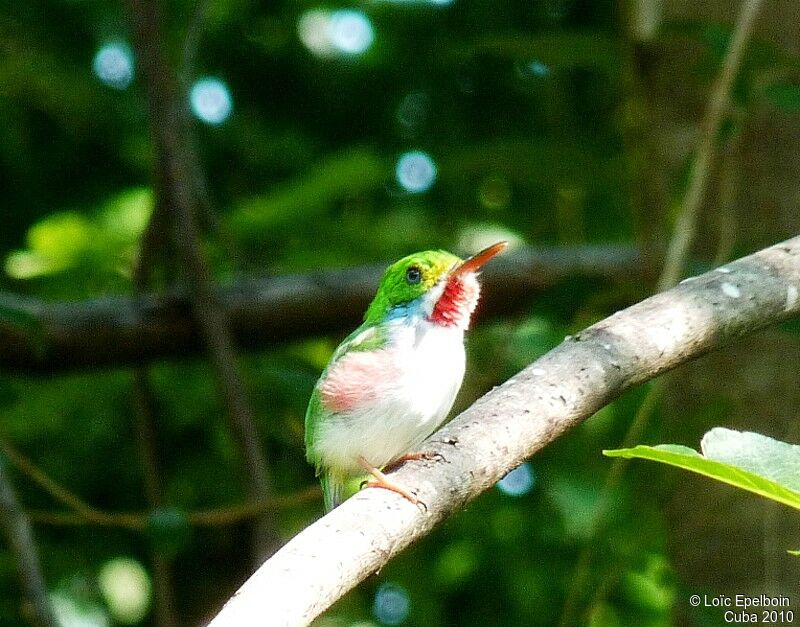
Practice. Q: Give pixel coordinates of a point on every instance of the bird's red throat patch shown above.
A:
(457, 302)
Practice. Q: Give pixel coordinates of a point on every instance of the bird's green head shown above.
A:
(433, 284)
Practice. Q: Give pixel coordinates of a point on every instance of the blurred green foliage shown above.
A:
(525, 112)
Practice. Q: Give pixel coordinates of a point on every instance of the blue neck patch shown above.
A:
(410, 311)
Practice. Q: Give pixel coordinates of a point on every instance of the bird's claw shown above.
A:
(397, 489)
(380, 480)
(414, 457)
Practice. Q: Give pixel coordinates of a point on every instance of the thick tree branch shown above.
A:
(42, 337)
(512, 422)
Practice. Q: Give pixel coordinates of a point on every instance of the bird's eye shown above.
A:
(413, 275)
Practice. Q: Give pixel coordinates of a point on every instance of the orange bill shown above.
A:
(479, 259)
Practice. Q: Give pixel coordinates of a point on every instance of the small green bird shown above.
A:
(392, 381)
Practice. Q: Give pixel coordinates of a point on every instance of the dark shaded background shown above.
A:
(558, 122)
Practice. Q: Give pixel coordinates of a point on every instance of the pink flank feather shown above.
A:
(357, 378)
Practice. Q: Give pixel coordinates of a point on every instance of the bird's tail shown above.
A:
(337, 487)
(332, 490)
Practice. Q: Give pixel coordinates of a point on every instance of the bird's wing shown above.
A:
(350, 367)
(367, 337)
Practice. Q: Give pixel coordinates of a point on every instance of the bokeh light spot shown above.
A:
(211, 101)
(313, 29)
(126, 588)
(519, 481)
(351, 31)
(415, 171)
(391, 605)
(537, 68)
(347, 32)
(534, 71)
(113, 65)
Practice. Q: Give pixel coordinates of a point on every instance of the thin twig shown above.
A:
(178, 168)
(674, 264)
(716, 110)
(677, 254)
(235, 514)
(580, 575)
(645, 186)
(17, 529)
(220, 517)
(64, 496)
(208, 217)
(146, 411)
(84, 514)
(191, 41)
(729, 183)
(154, 247)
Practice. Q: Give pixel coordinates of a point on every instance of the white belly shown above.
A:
(430, 361)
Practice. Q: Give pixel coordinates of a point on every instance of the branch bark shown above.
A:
(511, 423)
(40, 337)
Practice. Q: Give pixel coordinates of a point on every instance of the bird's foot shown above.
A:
(412, 457)
(380, 480)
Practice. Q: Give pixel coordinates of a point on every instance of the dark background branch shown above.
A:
(44, 337)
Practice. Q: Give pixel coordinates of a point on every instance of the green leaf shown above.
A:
(67, 239)
(756, 453)
(125, 216)
(60, 238)
(749, 461)
(54, 244)
(795, 553)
